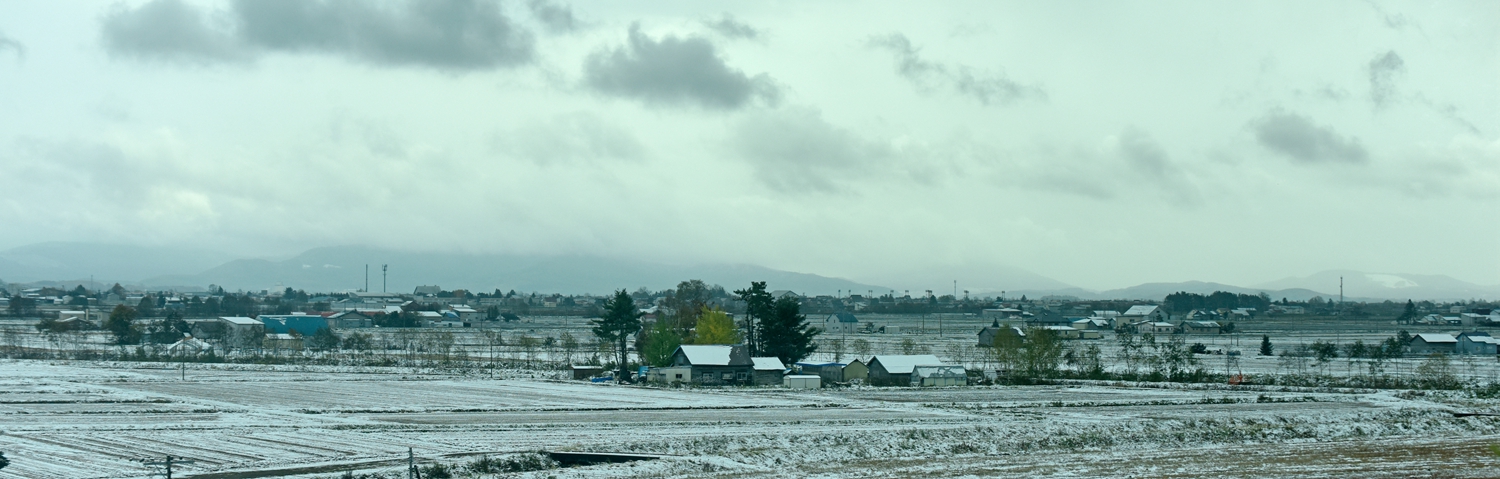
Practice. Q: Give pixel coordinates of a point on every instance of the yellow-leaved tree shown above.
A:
(715, 327)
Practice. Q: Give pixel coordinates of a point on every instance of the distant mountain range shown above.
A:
(1389, 286)
(106, 263)
(342, 268)
(1358, 286)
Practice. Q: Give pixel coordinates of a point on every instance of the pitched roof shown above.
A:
(904, 363)
(768, 364)
(1140, 310)
(1436, 338)
(715, 355)
(844, 317)
(240, 320)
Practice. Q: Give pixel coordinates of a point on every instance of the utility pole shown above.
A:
(168, 463)
(411, 465)
(367, 277)
(382, 277)
(1341, 292)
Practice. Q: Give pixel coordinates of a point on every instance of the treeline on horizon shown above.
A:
(218, 302)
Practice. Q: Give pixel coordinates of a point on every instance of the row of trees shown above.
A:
(1182, 302)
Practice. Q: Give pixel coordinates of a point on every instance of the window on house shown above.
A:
(679, 375)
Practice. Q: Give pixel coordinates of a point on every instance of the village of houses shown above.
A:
(945, 347)
(888, 392)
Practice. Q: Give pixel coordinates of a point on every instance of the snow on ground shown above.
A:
(64, 419)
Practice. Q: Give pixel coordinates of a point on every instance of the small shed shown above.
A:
(831, 372)
(856, 370)
(189, 346)
(939, 376)
(1200, 327)
(276, 341)
(1067, 332)
(768, 371)
(586, 371)
(1091, 324)
(802, 381)
(670, 375)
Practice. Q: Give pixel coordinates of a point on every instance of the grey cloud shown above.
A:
(730, 27)
(446, 34)
(11, 43)
(1384, 70)
(988, 89)
(573, 138)
(796, 151)
(169, 30)
(674, 71)
(1300, 139)
(909, 62)
(1394, 21)
(556, 18)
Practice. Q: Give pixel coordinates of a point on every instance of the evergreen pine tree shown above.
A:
(619, 320)
(1409, 315)
(785, 333)
(1265, 345)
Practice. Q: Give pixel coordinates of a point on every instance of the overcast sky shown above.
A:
(1100, 144)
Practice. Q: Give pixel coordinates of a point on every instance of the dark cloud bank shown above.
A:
(443, 34)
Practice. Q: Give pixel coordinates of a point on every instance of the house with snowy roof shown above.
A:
(768, 371)
(1476, 342)
(189, 345)
(842, 322)
(1428, 343)
(1154, 327)
(1144, 312)
(716, 364)
(988, 334)
(834, 372)
(896, 370)
(350, 320)
(1200, 327)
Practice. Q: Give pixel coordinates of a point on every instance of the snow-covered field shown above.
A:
(75, 419)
